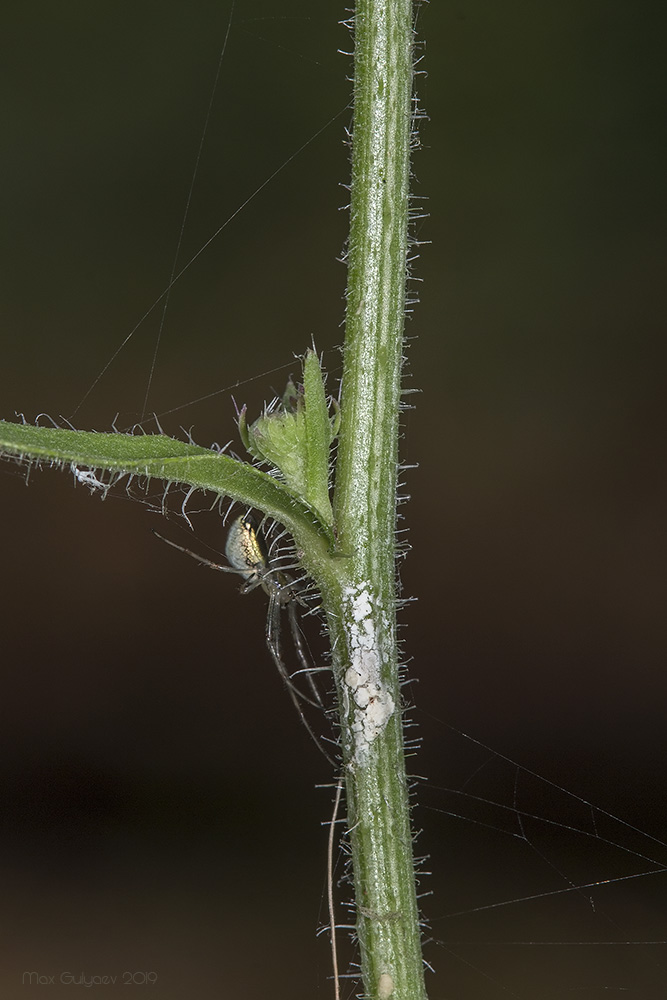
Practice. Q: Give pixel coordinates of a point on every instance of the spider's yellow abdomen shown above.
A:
(246, 550)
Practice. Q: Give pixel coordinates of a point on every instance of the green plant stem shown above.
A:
(361, 600)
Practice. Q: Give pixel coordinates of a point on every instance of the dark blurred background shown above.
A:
(159, 813)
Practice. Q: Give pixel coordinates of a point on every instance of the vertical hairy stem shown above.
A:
(361, 595)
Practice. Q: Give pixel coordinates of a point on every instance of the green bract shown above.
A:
(295, 435)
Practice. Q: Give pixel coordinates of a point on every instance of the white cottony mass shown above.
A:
(373, 702)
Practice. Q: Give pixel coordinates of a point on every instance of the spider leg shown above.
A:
(274, 647)
(300, 647)
(273, 644)
(200, 559)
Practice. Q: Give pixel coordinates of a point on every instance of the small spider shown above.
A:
(249, 557)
